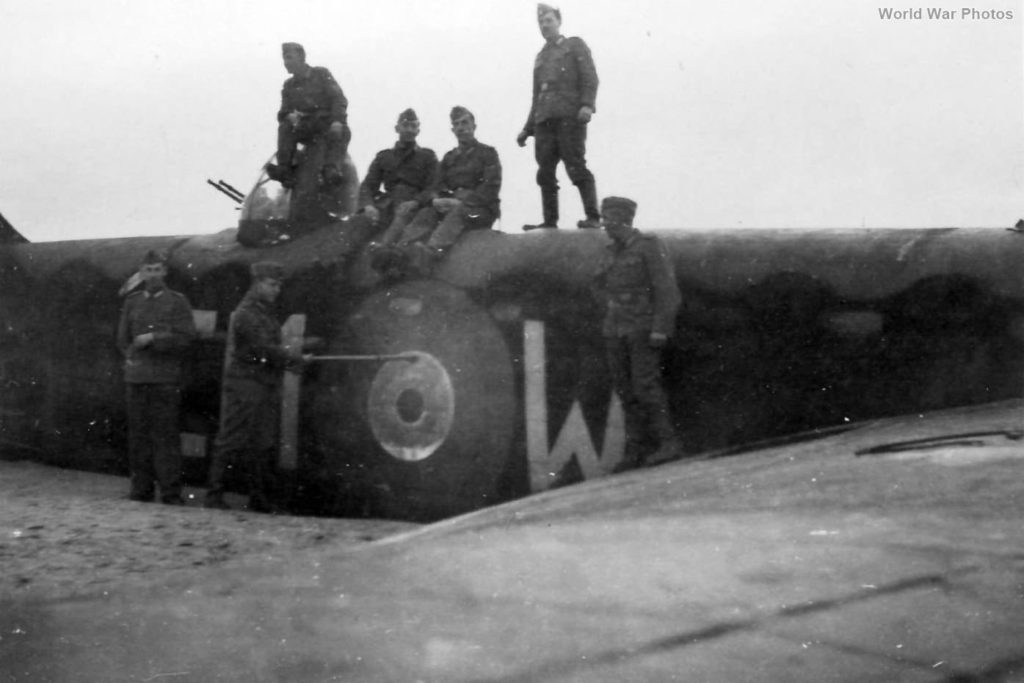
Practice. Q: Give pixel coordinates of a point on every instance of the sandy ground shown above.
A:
(68, 534)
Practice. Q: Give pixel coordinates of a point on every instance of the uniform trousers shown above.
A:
(397, 224)
(563, 140)
(635, 369)
(310, 202)
(334, 147)
(442, 230)
(247, 436)
(154, 440)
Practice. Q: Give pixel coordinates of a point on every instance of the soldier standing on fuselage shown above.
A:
(314, 112)
(154, 332)
(564, 96)
(642, 299)
(248, 425)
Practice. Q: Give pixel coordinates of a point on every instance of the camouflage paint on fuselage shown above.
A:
(780, 331)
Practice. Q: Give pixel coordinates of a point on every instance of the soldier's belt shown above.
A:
(448, 194)
(403, 183)
(629, 297)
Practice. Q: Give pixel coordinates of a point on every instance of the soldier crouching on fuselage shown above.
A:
(255, 365)
(642, 299)
(154, 333)
(314, 112)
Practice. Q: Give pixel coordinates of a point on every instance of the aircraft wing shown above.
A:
(891, 551)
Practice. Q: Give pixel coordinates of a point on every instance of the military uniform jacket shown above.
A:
(317, 95)
(564, 79)
(406, 172)
(168, 315)
(256, 336)
(475, 169)
(640, 288)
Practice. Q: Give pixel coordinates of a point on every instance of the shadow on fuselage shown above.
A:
(778, 333)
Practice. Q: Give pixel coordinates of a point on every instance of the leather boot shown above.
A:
(588, 193)
(282, 174)
(215, 501)
(423, 259)
(258, 502)
(549, 205)
(670, 449)
(631, 459)
(669, 446)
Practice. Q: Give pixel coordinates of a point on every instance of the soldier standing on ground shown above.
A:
(154, 332)
(564, 95)
(247, 437)
(642, 298)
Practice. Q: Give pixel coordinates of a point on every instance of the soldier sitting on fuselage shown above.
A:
(464, 197)
(399, 179)
(396, 186)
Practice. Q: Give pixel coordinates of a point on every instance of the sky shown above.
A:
(744, 113)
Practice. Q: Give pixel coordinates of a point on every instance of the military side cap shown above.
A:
(543, 9)
(458, 112)
(292, 47)
(408, 115)
(622, 206)
(155, 256)
(263, 270)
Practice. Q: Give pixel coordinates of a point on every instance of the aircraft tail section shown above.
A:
(8, 235)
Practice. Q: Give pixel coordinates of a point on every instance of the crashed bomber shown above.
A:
(779, 332)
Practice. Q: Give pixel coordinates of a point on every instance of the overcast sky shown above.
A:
(745, 113)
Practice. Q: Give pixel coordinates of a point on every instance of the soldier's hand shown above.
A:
(143, 340)
(585, 114)
(294, 117)
(297, 365)
(405, 208)
(337, 129)
(658, 340)
(522, 138)
(445, 204)
(372, 212)
(312, 344)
